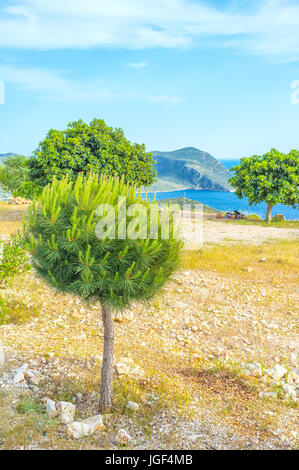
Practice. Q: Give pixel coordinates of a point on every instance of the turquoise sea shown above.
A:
(228, 201)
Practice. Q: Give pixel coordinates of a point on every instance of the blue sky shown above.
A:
(215, 75)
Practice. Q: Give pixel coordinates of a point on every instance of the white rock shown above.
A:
(123, 437)
(253, 366)
(277, 372)
(2, 355)
(295, 375)
(290, 391)
(18, 376)
(96, 422)
(66, 412)
(268, 394)
(126, 366)
(77, 429)
(131, 405)
(51, 408)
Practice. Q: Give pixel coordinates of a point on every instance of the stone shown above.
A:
(295, 375)
(96, 422)
(131, 405)
(126, 366)
(19, 376)
(66, 412)
(18, 201)
(77, 429)
(51, 408)
(277, 372)
(2, 355)
(290, 391)
(123, 317)
(268, 394)
(253, 366)
(35, 380)
(123, 437)
(32, 376)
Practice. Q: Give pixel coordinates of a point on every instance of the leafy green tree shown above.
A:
(90, 147)
(126, 262)
(272, 178)
(14, 174)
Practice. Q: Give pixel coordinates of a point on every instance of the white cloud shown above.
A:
(171, 100)
(52, 85)
(268, 27)
(138, 65)
(56, 86)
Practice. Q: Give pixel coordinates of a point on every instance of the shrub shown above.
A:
(254, 217)
(13, 262)
(278, 218)
(14, 174)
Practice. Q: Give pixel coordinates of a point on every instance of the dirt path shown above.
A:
(216, 232)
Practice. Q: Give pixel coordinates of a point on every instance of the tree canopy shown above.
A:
(90, 147)
(272, 178)
(14, 173)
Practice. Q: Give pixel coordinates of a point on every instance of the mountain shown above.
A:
(189, 168)
(5, 155)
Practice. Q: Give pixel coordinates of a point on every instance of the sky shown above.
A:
(219, 75)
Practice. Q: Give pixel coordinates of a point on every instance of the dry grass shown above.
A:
(280, 258)
(11, 218)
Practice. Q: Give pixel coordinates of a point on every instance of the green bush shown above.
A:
(13, 258)
(254, 217)
(278, 218)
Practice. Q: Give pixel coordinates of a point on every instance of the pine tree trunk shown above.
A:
(269, 212)
(107, 365)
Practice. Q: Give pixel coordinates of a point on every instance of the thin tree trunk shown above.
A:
(269, 212)
(107, 365)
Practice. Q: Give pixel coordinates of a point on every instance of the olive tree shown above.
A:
(96, 147)
(272, 178)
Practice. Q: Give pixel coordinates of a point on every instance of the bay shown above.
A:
(226, 201)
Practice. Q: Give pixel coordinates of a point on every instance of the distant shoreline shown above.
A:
(189, 189)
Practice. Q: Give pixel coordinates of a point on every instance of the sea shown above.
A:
(224, 201)
(227, 201)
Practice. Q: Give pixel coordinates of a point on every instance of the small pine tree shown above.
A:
(69, 255)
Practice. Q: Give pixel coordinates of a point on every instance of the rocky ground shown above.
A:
(210, 364)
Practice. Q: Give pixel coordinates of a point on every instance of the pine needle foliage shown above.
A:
(67, 253)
